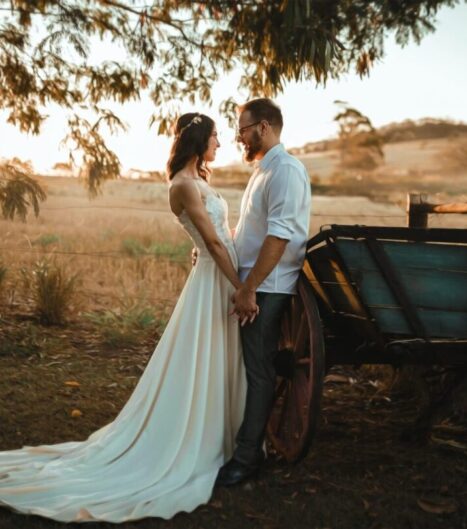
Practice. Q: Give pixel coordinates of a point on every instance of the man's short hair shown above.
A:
(264, 108)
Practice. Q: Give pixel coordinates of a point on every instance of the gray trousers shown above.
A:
(259, 341)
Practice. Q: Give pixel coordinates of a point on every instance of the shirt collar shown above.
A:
(270, 155)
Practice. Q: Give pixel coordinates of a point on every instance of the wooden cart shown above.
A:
(377, 295)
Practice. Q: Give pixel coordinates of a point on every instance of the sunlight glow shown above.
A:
(429, 80)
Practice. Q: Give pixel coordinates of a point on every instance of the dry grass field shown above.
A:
(129, 260)
(128, 256)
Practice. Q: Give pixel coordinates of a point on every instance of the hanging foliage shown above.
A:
(177, 50)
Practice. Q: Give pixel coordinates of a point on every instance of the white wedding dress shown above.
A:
(161, 454)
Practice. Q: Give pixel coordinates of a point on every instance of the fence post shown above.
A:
(417, 216)
(419, 206)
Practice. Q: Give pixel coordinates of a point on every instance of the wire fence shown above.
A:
(159, 255)
(156, 301)
(168, 256)
(152, 210)
(167, 212)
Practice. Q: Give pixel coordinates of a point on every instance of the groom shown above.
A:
(270, 239)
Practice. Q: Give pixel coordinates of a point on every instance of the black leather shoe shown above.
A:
(234, 472)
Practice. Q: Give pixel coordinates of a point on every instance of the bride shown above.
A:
(162, 452)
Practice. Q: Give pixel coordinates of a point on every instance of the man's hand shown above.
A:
(245, 307)
(194, 256)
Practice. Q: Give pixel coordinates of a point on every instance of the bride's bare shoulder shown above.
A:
(183, 193)
(182, 185)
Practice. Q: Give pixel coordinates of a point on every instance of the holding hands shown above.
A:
(245, 307)
(244, 299)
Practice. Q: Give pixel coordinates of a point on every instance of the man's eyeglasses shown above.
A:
(241, 130)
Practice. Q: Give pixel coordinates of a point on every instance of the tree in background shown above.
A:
(360, 144)
(176, 50)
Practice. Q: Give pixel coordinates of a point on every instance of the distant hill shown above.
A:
(423, 129)
(408, 130)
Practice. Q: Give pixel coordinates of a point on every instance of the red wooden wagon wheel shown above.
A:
(300, 369)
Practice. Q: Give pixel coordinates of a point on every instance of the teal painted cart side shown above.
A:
(384, 287)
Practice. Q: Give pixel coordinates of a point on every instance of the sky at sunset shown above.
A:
(429, 80)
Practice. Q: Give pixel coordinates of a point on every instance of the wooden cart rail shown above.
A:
(391, 284)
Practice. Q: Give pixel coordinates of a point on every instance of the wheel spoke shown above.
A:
(301, 394)
(283, 413)
(291, 420)
(300, 337)
(281, 387)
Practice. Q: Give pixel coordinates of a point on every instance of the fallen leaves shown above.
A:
(449, 443)
(439, 506)
(339, 379)
(259, 516)
(72, 384)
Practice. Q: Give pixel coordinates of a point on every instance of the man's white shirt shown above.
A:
(277, 201)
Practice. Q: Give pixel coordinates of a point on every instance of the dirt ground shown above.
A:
(359, 474)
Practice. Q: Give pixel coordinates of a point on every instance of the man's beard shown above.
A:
(253, 147)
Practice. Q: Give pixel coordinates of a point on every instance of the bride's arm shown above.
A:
(189, 197)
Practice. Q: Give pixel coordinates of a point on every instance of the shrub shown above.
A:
(52, 288)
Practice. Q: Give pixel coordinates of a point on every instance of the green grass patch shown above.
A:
(47, 239)
(136, 248)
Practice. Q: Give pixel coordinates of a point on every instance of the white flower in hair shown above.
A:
(196, 120)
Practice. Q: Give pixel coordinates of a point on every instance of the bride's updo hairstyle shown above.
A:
(192, 132)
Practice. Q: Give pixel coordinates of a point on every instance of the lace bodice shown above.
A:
(217, 210)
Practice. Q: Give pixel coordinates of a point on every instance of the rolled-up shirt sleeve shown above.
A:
(284, 194)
